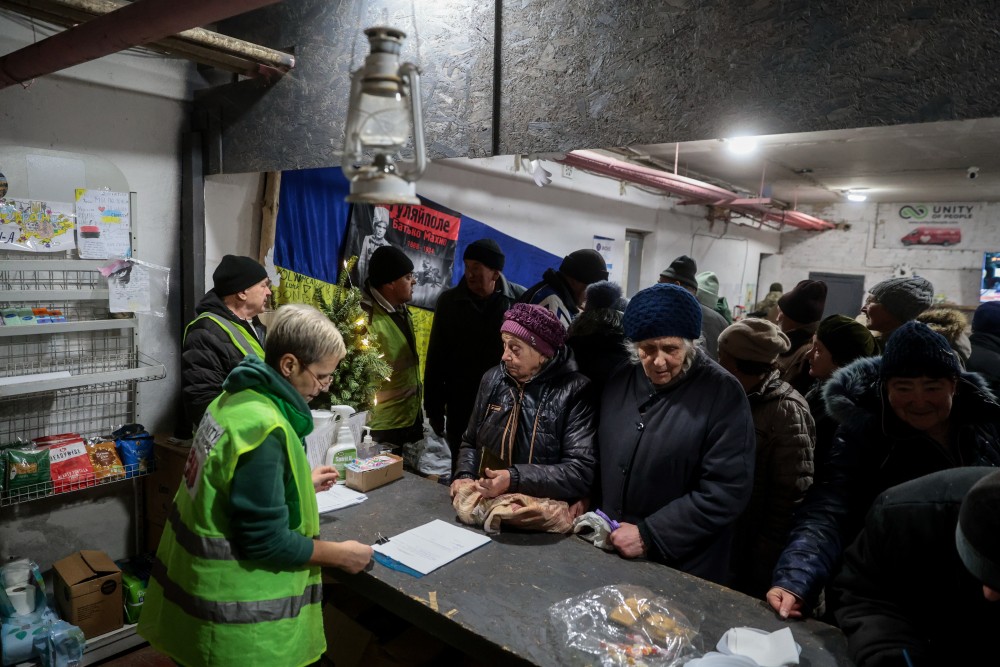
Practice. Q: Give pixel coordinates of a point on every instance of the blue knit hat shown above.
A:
(915, 350)
(662, 310)
(987, 318)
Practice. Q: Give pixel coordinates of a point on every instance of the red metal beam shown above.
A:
(139, 23)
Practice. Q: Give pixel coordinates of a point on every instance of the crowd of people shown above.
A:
(787, 455)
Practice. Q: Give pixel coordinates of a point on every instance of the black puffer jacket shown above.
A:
(985, 358)
(551, 421)
(207, 358)
(872, 451)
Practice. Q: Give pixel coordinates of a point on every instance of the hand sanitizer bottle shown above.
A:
(343, 450)
(367, 448)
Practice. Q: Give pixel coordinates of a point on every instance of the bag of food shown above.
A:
(135, 446)
(104, 458)
(27, 472)
(71, 469)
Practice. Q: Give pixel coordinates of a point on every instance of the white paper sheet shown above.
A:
(337, 497)
(428, 547)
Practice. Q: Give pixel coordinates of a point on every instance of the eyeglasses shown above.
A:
(323, 383)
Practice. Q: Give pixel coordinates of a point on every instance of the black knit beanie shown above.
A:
(587, 266)
(987, 318)
(915, 350)
(388, 263)
(846, 339)
(805, 302)
(978, 533)
(236, 273)
(684, 270)
(487, 252)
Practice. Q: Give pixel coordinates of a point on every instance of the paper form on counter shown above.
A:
(428, 547)
(338, 496)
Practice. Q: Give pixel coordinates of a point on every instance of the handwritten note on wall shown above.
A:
(103, 224)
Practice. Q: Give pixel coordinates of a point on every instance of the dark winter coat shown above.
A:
(551, 420)
(712, 324)
(599, 345)
(678, 463)
(554, 294)
(904, 587)
(207, 357)
(872, 451)
(464, 343)
(783, 472)
(794, 364)
(985, 358)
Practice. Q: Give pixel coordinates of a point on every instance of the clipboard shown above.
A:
(490, 459)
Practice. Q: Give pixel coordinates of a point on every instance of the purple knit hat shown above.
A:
(536, 326)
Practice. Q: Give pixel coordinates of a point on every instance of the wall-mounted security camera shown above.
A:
(972, 172)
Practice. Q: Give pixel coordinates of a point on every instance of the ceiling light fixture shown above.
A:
(742, 145)
(856, 195)
(384, 108)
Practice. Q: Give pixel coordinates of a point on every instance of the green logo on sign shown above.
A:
(915, 212)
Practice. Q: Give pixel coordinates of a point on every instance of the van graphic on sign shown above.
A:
(943, 236)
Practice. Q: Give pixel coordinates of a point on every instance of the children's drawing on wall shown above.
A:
(36, 226)
(103, 224)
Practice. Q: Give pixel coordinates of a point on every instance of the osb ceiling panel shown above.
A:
(589, 73)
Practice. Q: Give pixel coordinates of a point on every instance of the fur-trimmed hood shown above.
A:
(854, 393)
(951, 324)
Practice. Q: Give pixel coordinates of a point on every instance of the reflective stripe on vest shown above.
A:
(250, 611)
(398, 399)
(235, 333)
(209, 548)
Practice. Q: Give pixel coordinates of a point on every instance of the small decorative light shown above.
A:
(360, 322)
(384, 108)
(364, 341)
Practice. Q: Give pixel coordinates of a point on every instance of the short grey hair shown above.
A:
(690, 351)
(305, 332)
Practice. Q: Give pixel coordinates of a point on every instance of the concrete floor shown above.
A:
(143, 656)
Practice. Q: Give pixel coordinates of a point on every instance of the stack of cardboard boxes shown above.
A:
(171, 454)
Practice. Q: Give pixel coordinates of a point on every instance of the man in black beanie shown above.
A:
(683, 271)
(226, 330)
(920, 585)
(799, 313)
(563, 292)
(396, 417)
(465, 340)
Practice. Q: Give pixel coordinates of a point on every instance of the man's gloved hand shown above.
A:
(437, 425)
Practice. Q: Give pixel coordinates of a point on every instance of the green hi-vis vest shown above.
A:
(242, 339)
(205, 606)
(398, 399)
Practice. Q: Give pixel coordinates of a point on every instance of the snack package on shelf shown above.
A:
(104, 458)
(135, 446)
(70, 466)
(626, 625)
(135, 578)
(27, 472)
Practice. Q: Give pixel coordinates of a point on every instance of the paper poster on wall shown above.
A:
(137, 287)
(104, 224)
(933, 226)
(426, 233)
(36, 226)
(613, 252)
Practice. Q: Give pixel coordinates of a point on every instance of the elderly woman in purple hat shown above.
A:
(534, 415)
(676, 441)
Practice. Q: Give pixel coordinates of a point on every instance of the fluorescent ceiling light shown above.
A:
(856, 195)
(742, 145)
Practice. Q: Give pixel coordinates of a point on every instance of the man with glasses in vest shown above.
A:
(225, 331)
(396, 417)
(237, 575)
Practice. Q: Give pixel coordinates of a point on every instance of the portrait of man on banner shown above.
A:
(427, 234)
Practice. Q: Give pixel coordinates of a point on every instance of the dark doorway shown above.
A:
(845, 293)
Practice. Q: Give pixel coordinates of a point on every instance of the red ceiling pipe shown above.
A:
(694, 191)
(139, 23)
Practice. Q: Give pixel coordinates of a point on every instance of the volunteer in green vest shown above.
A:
(225, 331)
(236, 579)
(396, 417)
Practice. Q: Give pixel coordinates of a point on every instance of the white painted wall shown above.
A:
(128, 110)
(561, 217)
(955, 274)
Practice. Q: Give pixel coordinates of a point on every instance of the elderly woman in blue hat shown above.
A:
(676, 441)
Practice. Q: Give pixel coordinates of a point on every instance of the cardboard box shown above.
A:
(161, 485)
(372, 479)
(88, 591)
